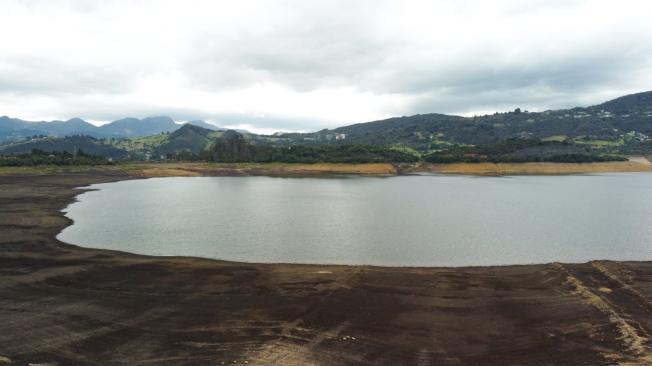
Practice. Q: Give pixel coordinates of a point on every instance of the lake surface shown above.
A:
(395, 221)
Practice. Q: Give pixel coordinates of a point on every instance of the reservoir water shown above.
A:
(396, 221)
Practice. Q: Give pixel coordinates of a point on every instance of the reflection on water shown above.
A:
(401, 221)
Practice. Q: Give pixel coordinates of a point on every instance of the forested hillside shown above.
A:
(626, 120)
(607, 131)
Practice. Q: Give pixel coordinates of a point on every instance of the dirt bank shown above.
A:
(148, 170)
(638, 164)
(66, 305)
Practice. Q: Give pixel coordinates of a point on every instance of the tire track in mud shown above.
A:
(633, 335)
(285, 350)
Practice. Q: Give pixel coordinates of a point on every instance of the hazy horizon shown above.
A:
(266, 130)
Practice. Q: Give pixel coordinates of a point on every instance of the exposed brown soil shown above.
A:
(638, 164)
(187, 169)
(148, 170)
(65, 305)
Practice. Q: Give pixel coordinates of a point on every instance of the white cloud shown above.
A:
(296, 65)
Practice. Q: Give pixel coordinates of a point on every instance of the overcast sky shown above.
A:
(307, 65)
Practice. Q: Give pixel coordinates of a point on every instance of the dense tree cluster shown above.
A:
(39, 157)
(232, 147)
(521, 150)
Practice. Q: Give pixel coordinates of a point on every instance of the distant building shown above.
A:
(581, 115)
(340, 136)
(639, 136)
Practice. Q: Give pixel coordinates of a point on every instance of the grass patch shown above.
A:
(407, 150)
(557, 138)
(140, 143)
(601, 143)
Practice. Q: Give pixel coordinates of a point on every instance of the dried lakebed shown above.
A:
(62, 304)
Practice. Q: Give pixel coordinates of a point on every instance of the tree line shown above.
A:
(521, 151)
(233, 148)
(39, 157)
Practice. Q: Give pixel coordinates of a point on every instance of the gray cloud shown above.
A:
(38, 75)
(570, 83)
(307, 48)
(295, 65)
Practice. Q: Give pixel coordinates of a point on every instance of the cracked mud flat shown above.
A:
(62, 305)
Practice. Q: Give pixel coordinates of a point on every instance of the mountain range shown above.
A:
(619, 126)
(16, 129)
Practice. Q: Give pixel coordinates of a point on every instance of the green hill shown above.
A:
(70, 144)
(610, 121)
(189, 138)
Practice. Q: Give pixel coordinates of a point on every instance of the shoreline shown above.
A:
(504, 169)
(65, 304)
(189, 169)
